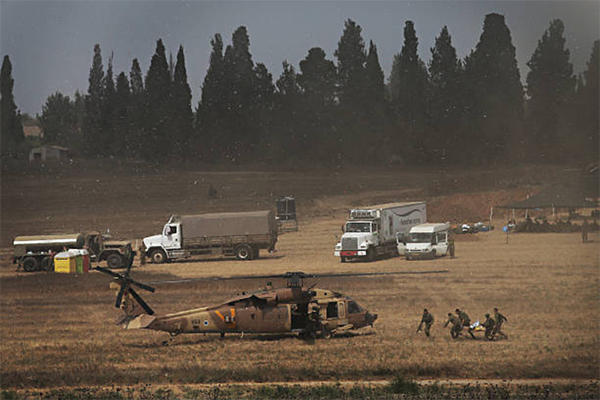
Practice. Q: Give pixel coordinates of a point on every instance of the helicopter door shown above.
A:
(343, 319)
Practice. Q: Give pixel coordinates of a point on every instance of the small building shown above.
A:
(44, 153)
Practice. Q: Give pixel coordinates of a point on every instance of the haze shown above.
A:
(50, 43)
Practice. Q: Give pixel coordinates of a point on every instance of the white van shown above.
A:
(427, 240)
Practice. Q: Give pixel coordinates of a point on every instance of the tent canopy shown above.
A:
(558, 196)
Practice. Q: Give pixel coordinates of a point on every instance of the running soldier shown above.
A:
(456, 326)
(499, 320)
(489, 325)
(427, 319)
(465, 321)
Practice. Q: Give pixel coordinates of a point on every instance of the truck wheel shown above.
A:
(47, 264)
(114, 261)
(407, 257)
(343, 259)
(158, 257)
(30, 264)
(244, 252)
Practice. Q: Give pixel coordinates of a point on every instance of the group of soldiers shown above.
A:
(493, 326)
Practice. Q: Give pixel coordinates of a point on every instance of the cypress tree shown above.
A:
(124, 138)
(137, 99)
(92, 130)
(374, 79)
(242, 131)
(352, 59)
(590, 96)
(494, 93)
(550, 86)
(287, 114)
(212, 107)
(408, 83)
(182, 107)
(445, 108)
(156, 145)
(263, 111)
(11, 129)
(319, 139)
(108, 140)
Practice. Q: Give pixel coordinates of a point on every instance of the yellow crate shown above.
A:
(65, 265)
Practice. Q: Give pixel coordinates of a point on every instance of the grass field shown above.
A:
(57, 331)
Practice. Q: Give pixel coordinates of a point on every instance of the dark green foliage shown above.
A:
(181, 108)
(494, 94)
(212, 106)
(401, 385)
(409, 90)
(11, 129)
(319, 139)
(92, 124)
(157, 140)
(287, 116)
(263, 111)
(124, 138)
(136, 82)
(108, 139)
(588, 100)
(59, 120)
(445, 108)
(550, 86)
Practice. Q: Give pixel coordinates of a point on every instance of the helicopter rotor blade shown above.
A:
(109, 272)
(144, 305)
(302, 275)
(142, 286)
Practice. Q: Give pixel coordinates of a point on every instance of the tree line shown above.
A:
(447, 111)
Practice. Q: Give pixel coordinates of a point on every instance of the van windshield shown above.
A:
(420, 237)
(353, 227)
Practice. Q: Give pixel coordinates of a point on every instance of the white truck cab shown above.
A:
(426, 241)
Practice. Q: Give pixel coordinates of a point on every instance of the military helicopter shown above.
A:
(308, 311)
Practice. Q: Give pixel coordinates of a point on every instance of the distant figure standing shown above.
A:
(427, 319)
(212, 192)
(584, 231)
(451, 248)
(499, 320)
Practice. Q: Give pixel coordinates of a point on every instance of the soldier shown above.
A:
(465, 321)
(427, 319)
(451, 246)
(499, 320)
(489, 325)
(456, 326)
(584, 231)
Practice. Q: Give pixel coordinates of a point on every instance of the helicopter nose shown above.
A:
(371, 318)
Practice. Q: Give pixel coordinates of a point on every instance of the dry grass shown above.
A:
(57, 330)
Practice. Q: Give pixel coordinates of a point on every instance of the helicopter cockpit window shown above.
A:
(354, 308)
(332, 310)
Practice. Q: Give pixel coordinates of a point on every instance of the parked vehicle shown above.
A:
(34, 253)
(373, 231)
(241, 234)
(427, 241)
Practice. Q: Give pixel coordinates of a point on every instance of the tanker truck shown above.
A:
(241, 234)
(372, 231)
(34, 253)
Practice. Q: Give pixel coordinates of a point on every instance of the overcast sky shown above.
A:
(50, 43)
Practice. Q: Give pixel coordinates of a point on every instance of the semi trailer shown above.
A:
(372, 231)
(241, 234)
